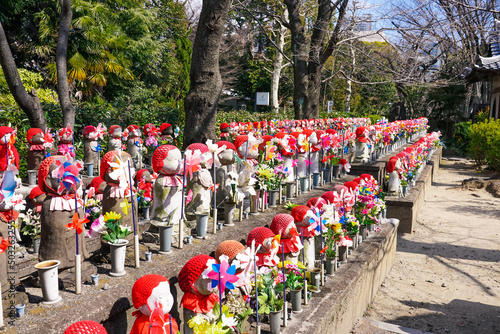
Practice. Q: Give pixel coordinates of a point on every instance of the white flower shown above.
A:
(229, 321)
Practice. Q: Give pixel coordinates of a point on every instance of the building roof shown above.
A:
(486, 67)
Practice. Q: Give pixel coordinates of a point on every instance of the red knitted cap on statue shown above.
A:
(296, 134)
(331, 131)
(319, 133)
(35, 192)
(338, 188)
(43, 170)
(360, 134)
(112, 128)
(231, 248)
(316, 202)
(165, 126)
(228, 144)
(143, 288)
(280, 135)
(308, 132)
(138, 175)
(106, 159)
(240, 140)
(265, 140)
(280, 223)
(366, 177)
(328, 196)
(132, 127)
(358, 179)
(192, 270)
(259, 234)
(5, 130)
(88, 129)
(263, 124)
(32, 132)
(86, 327)
(299, 212)
(145, 128)
(197, 146)
(351, 185)
(159, 155)
(223, 126)
(391, 165)
(96, 182)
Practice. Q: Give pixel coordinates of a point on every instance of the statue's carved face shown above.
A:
(5, 139)
(118, 132)
(66, 138)
(227, 157)
(172, 162)
(313, 139)
(202, 284)
(167, 132)
(161, 295)
(37, 139)
(288, 230)
(266, 245)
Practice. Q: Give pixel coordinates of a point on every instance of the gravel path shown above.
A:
(446, 277)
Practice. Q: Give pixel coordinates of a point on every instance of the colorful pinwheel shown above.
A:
(67, 175)
(223, 275)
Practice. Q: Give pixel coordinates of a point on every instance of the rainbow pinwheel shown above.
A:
(223, 275)
(67, 175)
(317, 224)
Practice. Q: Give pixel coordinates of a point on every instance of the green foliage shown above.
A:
(31, 80)
(461, 138)
(485, 143)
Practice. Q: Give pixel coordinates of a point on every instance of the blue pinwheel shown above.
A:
(223, 275)
(317, 223)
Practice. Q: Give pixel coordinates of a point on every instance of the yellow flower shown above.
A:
(337, 228)
(111, 216)
(125, 206)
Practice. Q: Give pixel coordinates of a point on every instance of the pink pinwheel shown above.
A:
(308, 162)
(294, 163)
(279, 157)
(223, 275)
(192, 162)
(67, 175)
(348, 197)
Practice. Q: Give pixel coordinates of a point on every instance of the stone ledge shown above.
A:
(346, 295)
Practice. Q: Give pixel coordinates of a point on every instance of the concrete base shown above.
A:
(406, 209)
(345, 296)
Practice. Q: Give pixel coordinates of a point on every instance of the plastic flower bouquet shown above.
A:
(109, 226)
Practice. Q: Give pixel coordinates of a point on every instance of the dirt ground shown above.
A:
(446, 276)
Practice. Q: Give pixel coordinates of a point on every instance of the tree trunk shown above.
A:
(299, 47)
(67, 107)
(201, 102)
(308, 68)
(29, 103)
(278, 64)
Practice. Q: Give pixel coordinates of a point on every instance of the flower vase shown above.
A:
(405, 190)
(371, 227)
(165, 239)
(315, 278)
(296, 299)
(384, 213)
(363, 233)
(145, 212)
(289, 189)
(354, 238)
(201, 225)
(273, 196)
(303, 184)
(254, 203)
(118, 252)
(229, 213)
(32, 177)
(49, 280)
(36, 244)
(275, 321)
(336, 171)
(326, 174)
(315, 179)
(343, 253)
(330, 265)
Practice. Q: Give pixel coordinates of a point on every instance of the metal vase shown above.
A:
(229, 213)
(165, 239)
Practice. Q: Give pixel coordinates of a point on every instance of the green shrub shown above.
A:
(461, 138)
(485, 143)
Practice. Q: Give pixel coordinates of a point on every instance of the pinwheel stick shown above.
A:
(285, 305)
(309, 170)
(303, 249)
(297, 173)
(78, 263)
(132, 200)
(170, 322)
(1, 309)
(256, 292)
(181, 222)
(220, 296)
(322, 263)
(215, 196)
(246, 151)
